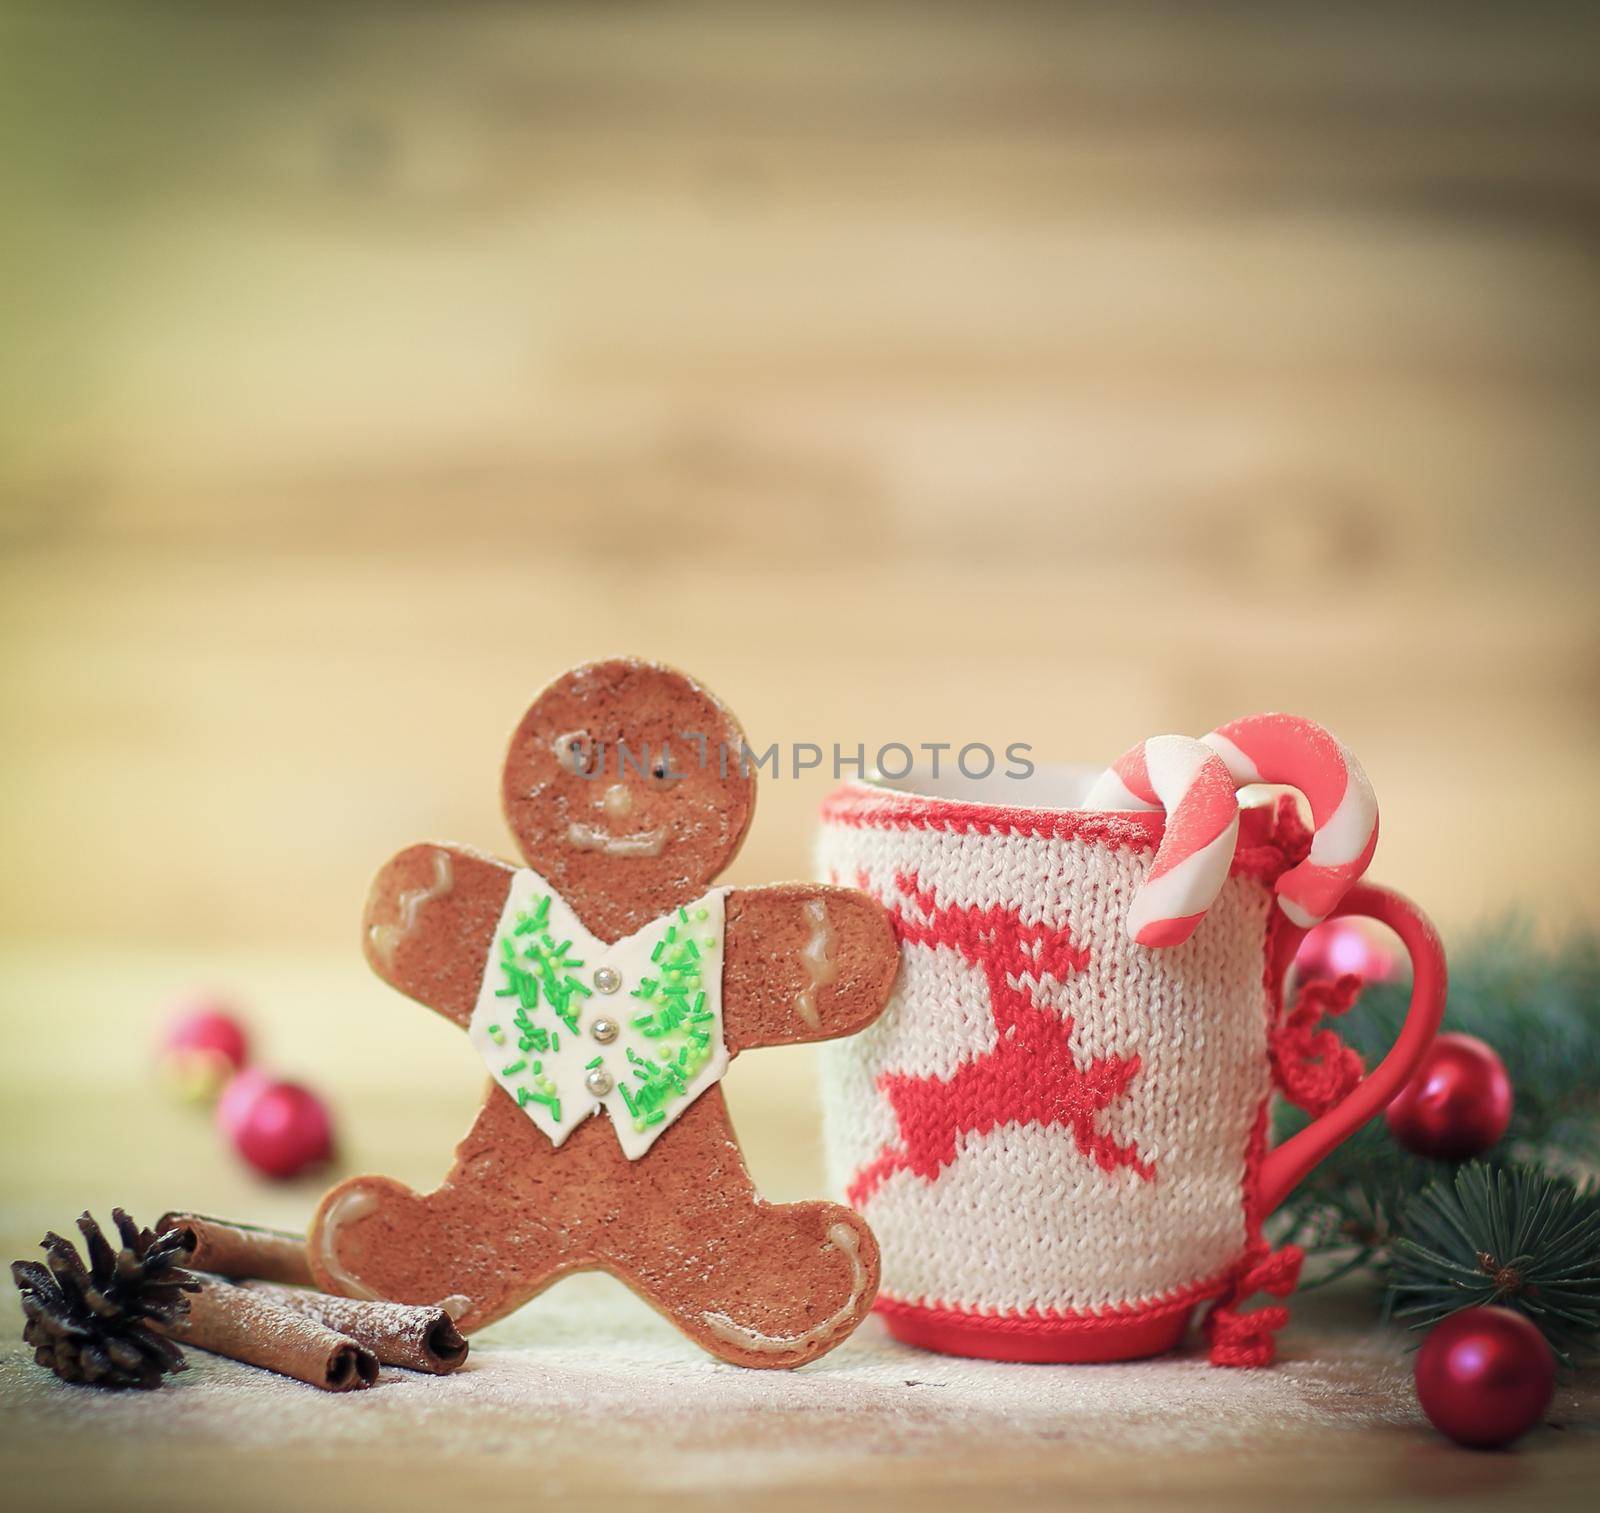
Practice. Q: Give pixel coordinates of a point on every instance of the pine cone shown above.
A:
(93, 1324)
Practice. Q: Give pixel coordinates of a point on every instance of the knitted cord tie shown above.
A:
(1286, 843)
(1246, 1339)
(1313, 1068)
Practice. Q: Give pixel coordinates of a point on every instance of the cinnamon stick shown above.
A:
(422, 1339)
(242, 1250)
(244, 1326)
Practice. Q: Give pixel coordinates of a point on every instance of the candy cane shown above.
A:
(1172, 773)
(1194, 786)
(1283, 748)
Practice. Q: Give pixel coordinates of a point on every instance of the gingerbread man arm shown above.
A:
(430, 923)
(805, 961)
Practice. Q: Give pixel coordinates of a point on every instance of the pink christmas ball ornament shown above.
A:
(203, 1046)
(1340, 947)
(281, 1129)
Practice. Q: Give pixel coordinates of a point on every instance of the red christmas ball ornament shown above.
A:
(1340, 946)
(1485, 1376)
(1457, 1105)
(204, 1045)
(280, 1128)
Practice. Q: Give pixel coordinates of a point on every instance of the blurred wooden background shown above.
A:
(1043, 374)
(1009, 373)
(1014, 373)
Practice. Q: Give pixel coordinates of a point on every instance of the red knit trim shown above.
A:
(1130, 1340)
(868, 807)
(1119, 1333)
(1237, 1338)
(1055, 1320)
(1272, 837)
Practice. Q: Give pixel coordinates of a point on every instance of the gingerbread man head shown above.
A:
(606, 986)
(625, 786)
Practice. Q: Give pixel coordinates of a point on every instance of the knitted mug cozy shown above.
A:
(1058, 1135)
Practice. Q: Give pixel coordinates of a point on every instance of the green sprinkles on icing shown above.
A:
(538, 970)
(673, 1012)
(538, 973)
(525, 1097)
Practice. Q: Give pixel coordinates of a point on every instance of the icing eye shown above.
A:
(576, 752)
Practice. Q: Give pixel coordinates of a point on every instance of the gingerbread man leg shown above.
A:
(481, 1243)
(756, 1283)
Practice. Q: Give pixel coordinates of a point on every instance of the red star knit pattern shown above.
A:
(1031, 1076)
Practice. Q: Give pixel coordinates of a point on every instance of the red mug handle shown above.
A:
(1286, 1164)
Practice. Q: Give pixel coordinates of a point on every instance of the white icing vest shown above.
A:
(568, 1025)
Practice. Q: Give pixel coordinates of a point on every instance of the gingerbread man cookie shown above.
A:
(606, 985)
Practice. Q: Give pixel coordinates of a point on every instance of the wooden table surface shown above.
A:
(585, 1383)
(1053, 374)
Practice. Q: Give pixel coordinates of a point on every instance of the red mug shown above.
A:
(1060, 1137)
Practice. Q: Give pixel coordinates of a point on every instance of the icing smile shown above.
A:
(593, 838)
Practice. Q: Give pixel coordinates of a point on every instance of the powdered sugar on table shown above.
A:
(588, 1365)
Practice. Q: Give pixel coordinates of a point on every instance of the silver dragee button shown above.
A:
(598, 1082)
(607, 979)
(604, 1030)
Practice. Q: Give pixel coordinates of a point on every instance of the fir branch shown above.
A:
(1513, 1236)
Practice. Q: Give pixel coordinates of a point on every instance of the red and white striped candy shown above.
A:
(1299, 753)
(1194, 786)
